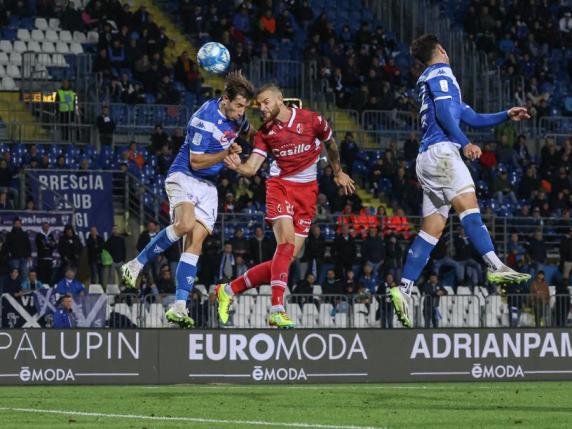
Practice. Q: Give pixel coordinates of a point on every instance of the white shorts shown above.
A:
(443, 175)
(201, 193)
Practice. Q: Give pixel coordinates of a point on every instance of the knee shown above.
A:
(184, 225)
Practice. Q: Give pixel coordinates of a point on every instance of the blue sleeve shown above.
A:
(59, 288)
(441, 88)
(199, 134)
(481, 120)
(448, 123)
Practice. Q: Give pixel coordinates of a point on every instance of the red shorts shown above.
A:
(294, 200)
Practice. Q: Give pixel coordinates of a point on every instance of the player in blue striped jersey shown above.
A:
(442, 173)
(191, 187)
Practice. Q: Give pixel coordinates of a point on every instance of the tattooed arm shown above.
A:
(341, 178)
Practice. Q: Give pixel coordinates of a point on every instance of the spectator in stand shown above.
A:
(239, 243)
(521, 151)
(5, 203)
(159, 138)
(528, 183)
(102, 65)
(503, 188)
(441, 259)
(540, 299)
(152, 268)
(226, 265)
(385, 306)
(63, 316)
(95, 245)
(260, 247)
(373, 250)
(537, 250)
(306, 289)
(115, 245)
(344, 250)
(116, 54)
(327, 185)
(32, 283)
(166, 92)
(240, 267)
(148, 291)
(19, 248)
(69, 248)
(177, 140)
(393, 255)
(13, 283)
(411, 148)
(467, 256)
(267, 24)
(331, 285)
(187, 73)
(45, 246)
(314, 251)
(105, 126)
(165, 159)
(368, 278)
(432, 292)
(566, 257)
(322, 209)
(349, 150)
(165, 283)
(7, 175)
(69, 284)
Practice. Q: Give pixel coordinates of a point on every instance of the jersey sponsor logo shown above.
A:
(298, 149)
(197, 138)
(228, 136)
(444, 85)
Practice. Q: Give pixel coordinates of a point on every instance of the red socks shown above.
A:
(275, 271)
(256, 276)
(279, 272)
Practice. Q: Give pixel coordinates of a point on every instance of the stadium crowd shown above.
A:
(532, 43)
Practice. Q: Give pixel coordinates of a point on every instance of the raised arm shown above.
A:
(487, 120)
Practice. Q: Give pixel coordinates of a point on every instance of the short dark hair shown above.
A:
(423, 47)
(272, 86)
(236, 84)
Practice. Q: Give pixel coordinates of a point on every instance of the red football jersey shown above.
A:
(295, 145)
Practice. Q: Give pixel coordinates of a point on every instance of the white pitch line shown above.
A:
(186, 419)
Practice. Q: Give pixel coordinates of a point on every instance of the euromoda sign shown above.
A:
(163, 356)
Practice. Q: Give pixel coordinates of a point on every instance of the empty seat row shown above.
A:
(8, 84)
(56, 60)
(44, 24)
(45, 47)
(53, 36)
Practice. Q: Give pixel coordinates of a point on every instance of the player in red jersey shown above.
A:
(293, 137)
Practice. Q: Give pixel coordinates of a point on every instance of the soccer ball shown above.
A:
(214, 57)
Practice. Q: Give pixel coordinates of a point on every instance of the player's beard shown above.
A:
(272, 115)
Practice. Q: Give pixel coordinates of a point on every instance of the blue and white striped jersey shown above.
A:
(208, 131)
(437, 83)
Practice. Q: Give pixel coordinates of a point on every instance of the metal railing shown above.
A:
(340, 311)
(481, 82)
(51, 132)
(288, 74)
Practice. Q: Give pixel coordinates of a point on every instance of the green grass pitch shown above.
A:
(455, 405)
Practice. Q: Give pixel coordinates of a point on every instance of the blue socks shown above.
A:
(161, 242)
(479, 237)
(417, 258)
(186, 272)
